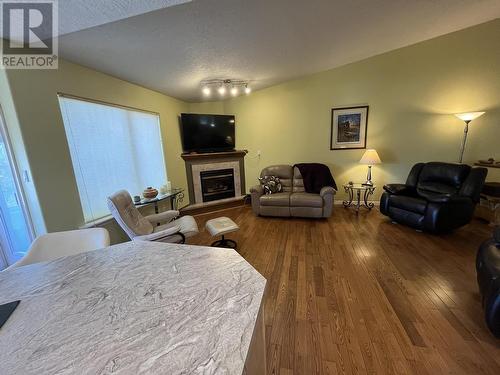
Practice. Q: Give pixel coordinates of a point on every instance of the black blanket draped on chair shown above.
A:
(316, 176)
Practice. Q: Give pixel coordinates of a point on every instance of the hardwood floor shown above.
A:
(362, 295)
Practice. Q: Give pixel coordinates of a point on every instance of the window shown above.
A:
(111, 148)
(16, 232)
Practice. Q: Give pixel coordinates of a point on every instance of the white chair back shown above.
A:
(55, 245)
(127, 215)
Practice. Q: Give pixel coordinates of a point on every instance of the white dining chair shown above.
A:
(55, 245)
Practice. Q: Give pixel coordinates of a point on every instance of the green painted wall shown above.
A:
(412, 93)
(207, 107)
(34, 94)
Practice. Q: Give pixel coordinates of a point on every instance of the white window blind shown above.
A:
(111, 148)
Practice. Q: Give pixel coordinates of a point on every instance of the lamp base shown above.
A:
(368, 181)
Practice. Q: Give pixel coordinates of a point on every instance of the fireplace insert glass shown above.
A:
(217, 184)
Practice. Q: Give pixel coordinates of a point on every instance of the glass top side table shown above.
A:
(362, 192)
(175, 196)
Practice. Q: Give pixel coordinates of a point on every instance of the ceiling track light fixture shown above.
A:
(221, 90)
(222, 86)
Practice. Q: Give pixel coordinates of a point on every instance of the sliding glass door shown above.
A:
(15, 230)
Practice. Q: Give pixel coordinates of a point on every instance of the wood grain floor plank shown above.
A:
(358, 294)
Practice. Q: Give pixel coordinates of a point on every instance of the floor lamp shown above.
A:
(466, 117)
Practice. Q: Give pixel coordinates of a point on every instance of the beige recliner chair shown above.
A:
(144, 228)
(293, 201)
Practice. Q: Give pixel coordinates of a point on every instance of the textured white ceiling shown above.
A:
(75, 15)
(266, 41)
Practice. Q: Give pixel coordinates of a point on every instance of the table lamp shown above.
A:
(370, 157)
(466, 117)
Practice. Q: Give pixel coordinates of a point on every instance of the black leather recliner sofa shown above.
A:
(488, 278)
(437, 197)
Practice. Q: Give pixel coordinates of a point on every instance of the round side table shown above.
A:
(359, 190)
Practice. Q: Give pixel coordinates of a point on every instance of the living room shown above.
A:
(345, 286)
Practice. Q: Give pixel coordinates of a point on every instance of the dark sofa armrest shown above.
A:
(442, 217)
(399, 189)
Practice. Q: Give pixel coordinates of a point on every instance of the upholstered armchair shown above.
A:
(145, 228)
(437, 197)
(488, 278)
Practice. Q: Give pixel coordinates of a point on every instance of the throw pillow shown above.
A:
(271, 184)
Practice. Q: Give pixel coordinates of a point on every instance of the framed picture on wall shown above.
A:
(349, 128)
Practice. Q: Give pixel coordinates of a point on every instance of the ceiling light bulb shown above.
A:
(206, 91)
(222, 90)
(234, 91)
(248, 90)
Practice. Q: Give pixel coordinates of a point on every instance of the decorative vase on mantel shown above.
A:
(150, 193)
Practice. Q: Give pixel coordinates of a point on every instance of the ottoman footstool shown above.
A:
(220, 227)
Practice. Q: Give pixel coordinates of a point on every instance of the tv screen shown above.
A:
(207, 133)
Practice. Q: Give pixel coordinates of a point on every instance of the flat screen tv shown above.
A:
(207, 133)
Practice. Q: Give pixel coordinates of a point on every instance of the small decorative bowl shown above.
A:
(150, 193)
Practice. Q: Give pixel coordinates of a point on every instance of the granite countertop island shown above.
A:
(134, 308)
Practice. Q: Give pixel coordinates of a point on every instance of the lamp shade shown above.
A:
(469, 116)
(370, 157)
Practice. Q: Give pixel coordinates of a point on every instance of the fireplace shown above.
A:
(217, 184)
(215, 177)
